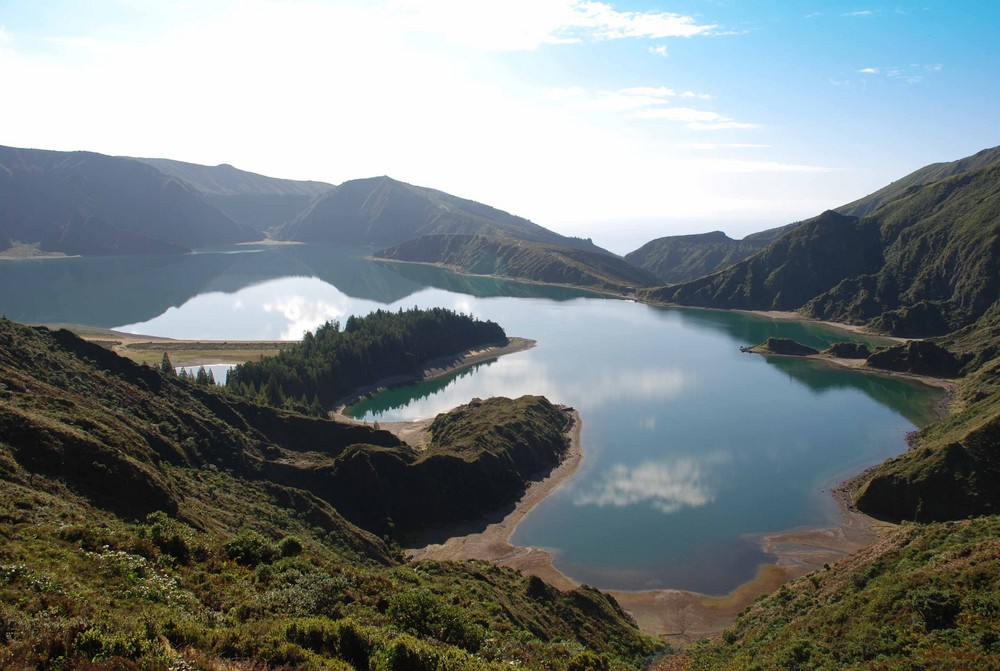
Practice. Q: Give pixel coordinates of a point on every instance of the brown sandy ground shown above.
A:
(149, 349)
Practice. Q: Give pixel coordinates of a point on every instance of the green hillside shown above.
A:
(515, 259)
(925, 175)
(925, 597)
(151, 523)
(808, 260)
(925, 263)
(382, 212)
(941, 248)
(91, 204)
(682, 258)
(257, 201)
(952, 470)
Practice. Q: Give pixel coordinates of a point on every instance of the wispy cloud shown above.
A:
(649, 102)
(528, 24)
(692, 118)
(911, 74)
(713, 146)
(659, 51)
(757, 167)
(860, 13)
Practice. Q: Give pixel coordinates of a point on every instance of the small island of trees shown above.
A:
(328, 364)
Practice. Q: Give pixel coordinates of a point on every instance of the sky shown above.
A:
(620, 121)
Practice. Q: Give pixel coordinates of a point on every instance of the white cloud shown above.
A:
(666, 486)
(659, 51)
(747, 167)
(693, 119)
(860, 13)
(911, 74)
(712, 146)
(516, 25)
(647, 102)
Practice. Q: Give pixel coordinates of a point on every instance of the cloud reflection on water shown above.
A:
(303, 314)
(666, 486)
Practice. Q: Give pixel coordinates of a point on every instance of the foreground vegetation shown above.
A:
(147, 522)
(926, 597)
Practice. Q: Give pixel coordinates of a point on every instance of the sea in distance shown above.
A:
(692, 448)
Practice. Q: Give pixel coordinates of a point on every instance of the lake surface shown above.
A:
(691, 447)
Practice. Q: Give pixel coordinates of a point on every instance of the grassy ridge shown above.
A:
(141, 529)
(381, 212)
(515, 259)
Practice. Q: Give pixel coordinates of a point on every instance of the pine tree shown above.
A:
(165, 365)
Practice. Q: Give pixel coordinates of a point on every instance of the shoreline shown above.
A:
(941, 408)
(520, 280)
(432, 370)
(787, 315)
(473, 540)
(679, 617)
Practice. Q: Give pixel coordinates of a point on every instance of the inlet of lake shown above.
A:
(692, 448)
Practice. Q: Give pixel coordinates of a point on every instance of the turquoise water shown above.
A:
(691, 447)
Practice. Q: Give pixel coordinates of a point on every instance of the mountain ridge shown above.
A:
(383, 212)
(137, 208)
(520, 260)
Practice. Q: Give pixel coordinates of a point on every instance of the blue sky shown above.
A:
(623, 121)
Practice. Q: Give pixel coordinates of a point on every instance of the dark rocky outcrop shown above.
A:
(848, 350)
(785, 346)
(921, 357)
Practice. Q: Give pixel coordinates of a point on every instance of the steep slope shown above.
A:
(382, 212)
(81, 202)
(143, 528)
(925, 597)
(515, 259)
(953, 467)
(941, 244)
(925, 263)
(257, 201)
(677, 259)
(682, 258)
(808, 260)
(925, 175)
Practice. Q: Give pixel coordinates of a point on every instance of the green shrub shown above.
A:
(421, 612)
(290, 546)
(250, 548)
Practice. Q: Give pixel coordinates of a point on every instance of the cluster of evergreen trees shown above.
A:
(202, 377)
(328, 364)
